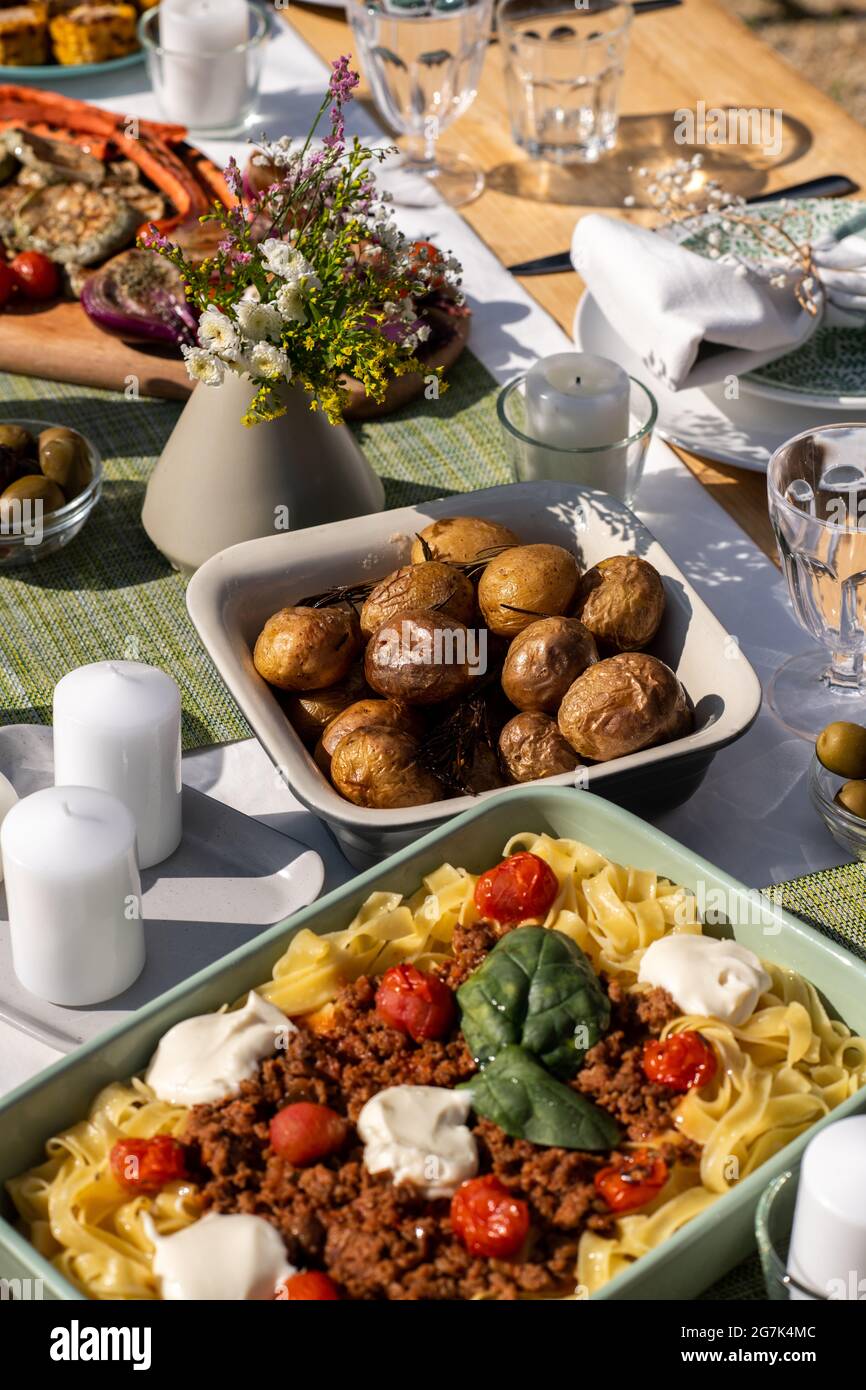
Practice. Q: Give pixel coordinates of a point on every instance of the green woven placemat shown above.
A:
(110, 595)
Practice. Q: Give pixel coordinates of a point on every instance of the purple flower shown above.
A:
(343, 80)
(233, 177)
(154, 239)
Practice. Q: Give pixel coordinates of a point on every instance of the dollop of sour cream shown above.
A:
(205, 1058)
(419, 1134)
(220, 1257)
(716, 979)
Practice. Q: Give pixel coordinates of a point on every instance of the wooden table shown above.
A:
(677, 57)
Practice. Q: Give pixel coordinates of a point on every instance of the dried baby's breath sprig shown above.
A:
(672, 191)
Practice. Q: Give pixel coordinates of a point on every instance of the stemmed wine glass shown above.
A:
(817, 495)
(423, 60)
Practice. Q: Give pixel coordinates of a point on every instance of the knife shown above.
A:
(829, 186)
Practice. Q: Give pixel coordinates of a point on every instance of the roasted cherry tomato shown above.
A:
(146, 1165)
(682, 1061)
(312, 1286)
(35, 275)
(488, 1219)
(305, 1132)
(415, 1002)
(7, 284)
(519, 888)
(634, 1183)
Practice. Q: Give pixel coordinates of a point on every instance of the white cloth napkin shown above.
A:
(694, 320)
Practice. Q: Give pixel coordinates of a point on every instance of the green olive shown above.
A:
(33, 488)
(18, 440)
(64, 458)
(841, 747)
(853, 797)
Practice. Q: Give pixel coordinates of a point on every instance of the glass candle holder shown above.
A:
(773, 1220)
(615, 468)
(211, 83)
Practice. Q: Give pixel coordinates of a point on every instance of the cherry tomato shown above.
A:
(521, 887)
(146, 1165)
(7, 284)
(640, 1178)
(35, 275)
(682, 1061)
(305, 1132)
(488, 1219)
(312, 1286)
(415, 1002)
(424, 256)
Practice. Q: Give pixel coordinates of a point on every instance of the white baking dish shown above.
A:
(233, 594)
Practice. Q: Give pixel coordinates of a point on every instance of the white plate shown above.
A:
(234, 593)
(744, 432)
(231, 878)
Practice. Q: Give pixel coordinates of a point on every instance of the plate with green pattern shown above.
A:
(829, 370)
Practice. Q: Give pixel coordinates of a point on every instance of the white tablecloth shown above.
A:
(752, 814)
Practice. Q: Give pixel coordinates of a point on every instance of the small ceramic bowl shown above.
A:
(847, 830)
(56, 529)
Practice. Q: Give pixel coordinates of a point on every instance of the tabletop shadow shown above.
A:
(647, 143)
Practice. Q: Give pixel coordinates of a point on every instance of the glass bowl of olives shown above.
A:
(50, 481)
(837, 784)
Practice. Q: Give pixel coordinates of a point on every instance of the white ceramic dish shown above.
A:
(743, 432)
(230, 879)
(233, 594)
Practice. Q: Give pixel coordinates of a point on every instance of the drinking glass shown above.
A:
(423, 60)
(817, 495)
(563, 70)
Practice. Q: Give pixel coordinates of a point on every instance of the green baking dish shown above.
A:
(681, 1268)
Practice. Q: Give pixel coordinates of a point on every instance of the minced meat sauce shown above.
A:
(381, 1241)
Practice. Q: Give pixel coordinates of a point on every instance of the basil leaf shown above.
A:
(517, 1094)
(536, 988)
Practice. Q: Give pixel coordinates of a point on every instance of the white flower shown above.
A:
(290, 304)
(203, 366)
(259, 321)
(217, 333)
(271, 362)
(277, 256)
(423, 333)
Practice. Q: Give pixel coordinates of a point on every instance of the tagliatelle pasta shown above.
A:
(784, 1068)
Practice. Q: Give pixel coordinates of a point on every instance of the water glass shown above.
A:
(816, 486)
(563, 71)
(615, 468)
(423, 60)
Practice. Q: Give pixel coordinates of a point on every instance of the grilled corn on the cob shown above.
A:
(94, 33)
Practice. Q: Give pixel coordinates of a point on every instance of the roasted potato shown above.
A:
(627, 702)
(461, 538)
(531, 746)
(377, 767)
(544, 660)
(622, 602)
(307, 648)
(526, 583)
(431, 584)
(364, 714)
(310, 712)
(420, 657)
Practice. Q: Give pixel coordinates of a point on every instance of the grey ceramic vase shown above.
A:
(219, 481)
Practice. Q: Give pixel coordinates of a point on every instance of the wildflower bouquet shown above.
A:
(312, 281)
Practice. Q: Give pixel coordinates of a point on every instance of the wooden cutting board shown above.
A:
(61, 343)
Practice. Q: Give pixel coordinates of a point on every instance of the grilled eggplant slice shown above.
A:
(75, 224)
(54, 161)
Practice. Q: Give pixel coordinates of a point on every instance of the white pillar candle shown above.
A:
(204, 67)
(8, 797)
(827, 1253)
(73, 895)
(117, 727)
(575, 400)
